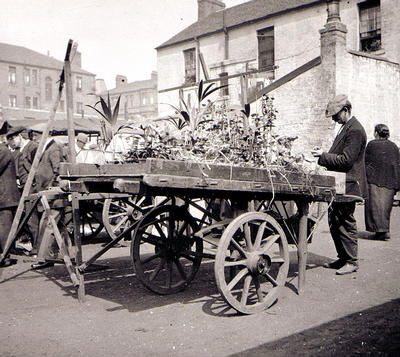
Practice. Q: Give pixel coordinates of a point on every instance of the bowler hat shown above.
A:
(15, 131)
(336, 105)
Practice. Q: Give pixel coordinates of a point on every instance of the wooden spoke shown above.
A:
(156, 271)
(259, 236)
(270, 241)
(150, 258)
(271, 279)
(247, 236)
(245, 291)
(239, 248)
(258, 289)
(237, 278)
(180, 268)
(235, 263)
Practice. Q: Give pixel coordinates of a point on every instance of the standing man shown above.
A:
(346, 155)
(9, 198)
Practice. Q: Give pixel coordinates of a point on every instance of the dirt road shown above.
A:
(357, 314)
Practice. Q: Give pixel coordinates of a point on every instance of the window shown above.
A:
(78, 84)
(35, 103)
(27, 76)
(12, 75)
(224, 82)
(34, 77)
(48, 89)
(79, 108)
(266, 48)
(190, 65)
(12, 100)
(28, 102)
(370, 26)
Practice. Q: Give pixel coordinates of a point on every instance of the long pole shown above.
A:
(20, 209)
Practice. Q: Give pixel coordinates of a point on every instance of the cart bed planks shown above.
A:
(164, 174)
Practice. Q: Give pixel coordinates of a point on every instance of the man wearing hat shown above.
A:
(25, 153)
(345, 155)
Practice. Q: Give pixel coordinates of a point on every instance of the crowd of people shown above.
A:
(372, 175)
(18, 149)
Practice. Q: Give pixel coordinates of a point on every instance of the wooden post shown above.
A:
(70, 106)
(303, 207)
(20, 209)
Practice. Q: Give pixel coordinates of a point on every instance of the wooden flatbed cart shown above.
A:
(239, 216)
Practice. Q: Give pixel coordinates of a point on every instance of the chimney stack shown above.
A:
(207, 7)
(120, 80)
(77, 60)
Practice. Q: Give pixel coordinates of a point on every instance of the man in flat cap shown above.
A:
(345, 155)
(25, 153)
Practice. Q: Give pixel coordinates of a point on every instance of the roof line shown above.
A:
(81, 71)
(258, 19)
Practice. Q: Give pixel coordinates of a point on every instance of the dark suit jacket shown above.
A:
(25, 160)
(9, 194)
(49, 167)
(347, 155)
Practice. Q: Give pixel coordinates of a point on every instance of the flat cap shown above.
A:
(336, 105)
(83, 138)
(15, 131)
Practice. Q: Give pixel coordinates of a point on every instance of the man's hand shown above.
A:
(316, 152)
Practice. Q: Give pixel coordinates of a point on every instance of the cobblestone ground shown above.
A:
(349, 315)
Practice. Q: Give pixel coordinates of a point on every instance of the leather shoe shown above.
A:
(382, 236)
(337, 264)
(42, 265)
(8, 262)
(348, 268)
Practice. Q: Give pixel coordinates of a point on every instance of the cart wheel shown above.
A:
(91, 220)
(252, 262)
(119, 213)
(165, 253)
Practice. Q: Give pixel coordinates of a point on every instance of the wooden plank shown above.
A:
(102, 173)
(204, 66)
(228, 172)
(68, 170)
(185, 182)
(285, 79)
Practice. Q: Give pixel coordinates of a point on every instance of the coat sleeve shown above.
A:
(344, 161)
(55, 159)
(5, 158)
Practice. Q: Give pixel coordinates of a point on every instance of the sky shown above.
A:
(114, 36)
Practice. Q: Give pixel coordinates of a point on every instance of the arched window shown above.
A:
(48, 88)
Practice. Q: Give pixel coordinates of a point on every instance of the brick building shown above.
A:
(29, 86)
(298, 54)
(138, 99)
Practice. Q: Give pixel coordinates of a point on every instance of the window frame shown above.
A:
(190, 65)
(27, 76)
(79, 84)
(28, 102)
(12, 75)
(263, 35)
(48, 89)
(370, 27)
(12, 100)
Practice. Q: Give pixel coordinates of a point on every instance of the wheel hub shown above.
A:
(259, 263)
